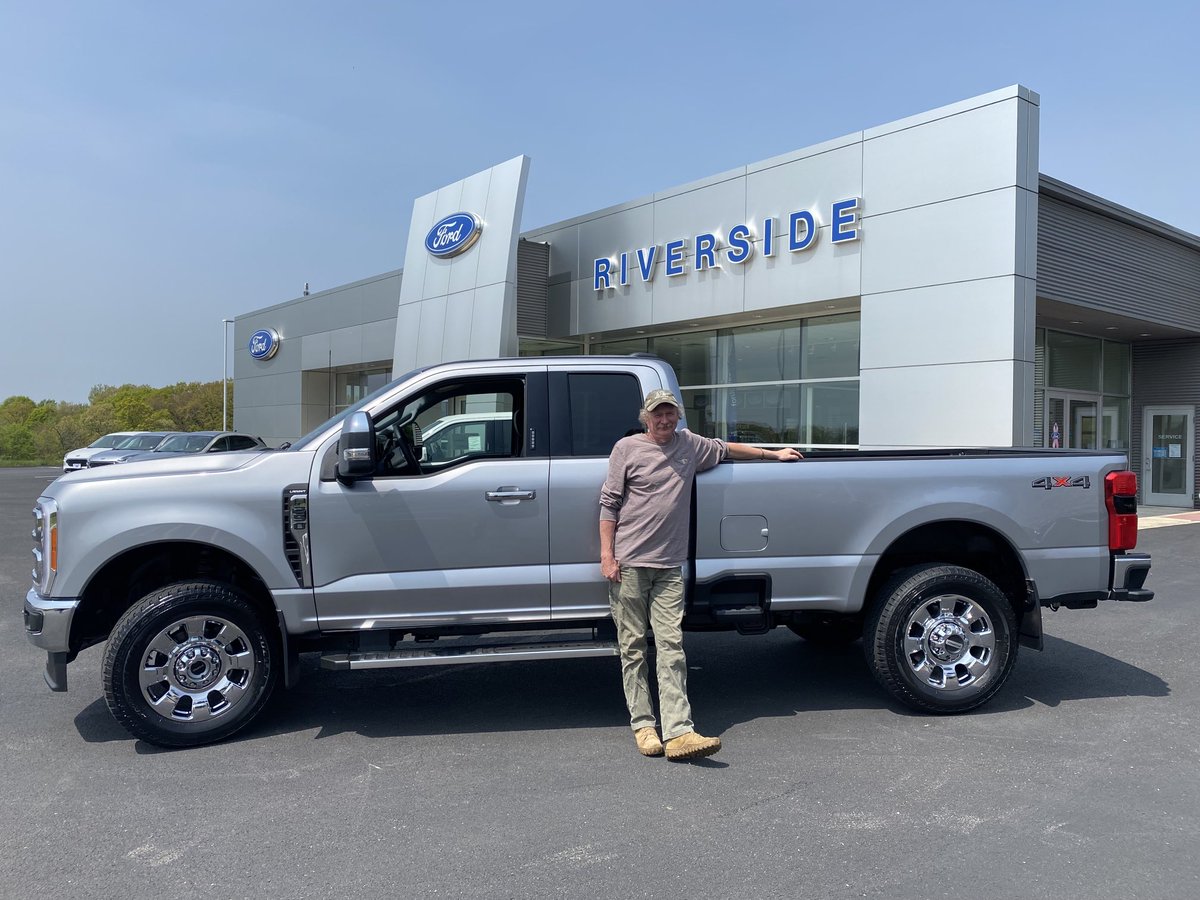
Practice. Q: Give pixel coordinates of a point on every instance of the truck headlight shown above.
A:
(45, 545)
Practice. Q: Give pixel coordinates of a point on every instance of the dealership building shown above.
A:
(914, 284)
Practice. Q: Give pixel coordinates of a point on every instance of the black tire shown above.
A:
(941, 639)
(828, 629)
(189, 664)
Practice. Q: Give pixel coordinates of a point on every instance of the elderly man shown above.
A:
(644, 517)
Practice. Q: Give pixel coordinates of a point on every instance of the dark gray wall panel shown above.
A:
(1100, 262)
(533, 271)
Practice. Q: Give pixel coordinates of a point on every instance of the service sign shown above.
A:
(453, 235)
(265, 343)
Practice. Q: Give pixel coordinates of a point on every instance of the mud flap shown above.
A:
(1031, 618)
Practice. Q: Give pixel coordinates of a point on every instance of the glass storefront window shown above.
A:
(1039, 358)
(831, 414)
(534, 347)
(761, 353)
(350, 387)
(831, 347)
(1117, 367)
(790, 383)
(750, 415)
(1072, 362)
(1114, 424)
(1039, 418)
(1070, 371)
(808, 415)
(693, 356)
(621, 348)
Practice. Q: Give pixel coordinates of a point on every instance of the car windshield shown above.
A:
(140, 442)
(108, 441)
(184, 443)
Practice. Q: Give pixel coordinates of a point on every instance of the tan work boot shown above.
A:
(692, 746)
(648, 742)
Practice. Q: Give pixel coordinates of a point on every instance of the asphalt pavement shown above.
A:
(1079, 780)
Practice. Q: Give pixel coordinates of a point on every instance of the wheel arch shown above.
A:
(959, 542)
(131, 575)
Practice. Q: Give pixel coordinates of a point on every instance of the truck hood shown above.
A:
(183, 464)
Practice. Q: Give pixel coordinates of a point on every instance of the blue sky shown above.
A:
(164, 165)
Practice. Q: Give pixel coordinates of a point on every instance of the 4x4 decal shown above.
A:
(1049, 482)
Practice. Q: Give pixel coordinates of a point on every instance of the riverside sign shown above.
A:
(803, 227)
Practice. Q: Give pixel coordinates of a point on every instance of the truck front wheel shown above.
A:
(941, 639)
(189, 664)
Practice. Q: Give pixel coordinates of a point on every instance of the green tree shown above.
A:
(132, 407)
(16, 442)
(15, 410)
(47, 430)
(195, 406)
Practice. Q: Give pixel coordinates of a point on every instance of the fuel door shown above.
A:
(744, 533)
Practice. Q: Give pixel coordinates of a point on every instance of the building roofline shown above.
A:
(316, 295)
(1068, 193)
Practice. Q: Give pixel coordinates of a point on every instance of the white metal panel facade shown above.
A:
(947, 203)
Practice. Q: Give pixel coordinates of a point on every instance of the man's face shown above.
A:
(664, 419)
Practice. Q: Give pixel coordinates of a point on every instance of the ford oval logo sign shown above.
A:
(453, 235)
(265, 343)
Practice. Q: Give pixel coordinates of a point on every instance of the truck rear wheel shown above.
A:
(941, 639)
(189, 664)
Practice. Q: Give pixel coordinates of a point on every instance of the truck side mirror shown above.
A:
(356, 448)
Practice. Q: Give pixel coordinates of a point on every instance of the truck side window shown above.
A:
(604, 408)
(451, 424)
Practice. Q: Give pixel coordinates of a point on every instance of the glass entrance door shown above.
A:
(1168, 456)
(1071, 421)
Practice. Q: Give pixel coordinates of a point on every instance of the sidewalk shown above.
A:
(1162, 516)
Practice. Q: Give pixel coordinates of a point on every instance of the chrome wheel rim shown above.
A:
(949, 642)
(196, 669)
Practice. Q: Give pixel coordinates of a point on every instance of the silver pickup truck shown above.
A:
(208, 576)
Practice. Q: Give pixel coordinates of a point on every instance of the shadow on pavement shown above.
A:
(731, 681)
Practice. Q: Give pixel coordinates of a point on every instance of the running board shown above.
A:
(461, 655)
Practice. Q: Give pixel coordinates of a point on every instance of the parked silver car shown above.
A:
(200, 442)
(131, 446)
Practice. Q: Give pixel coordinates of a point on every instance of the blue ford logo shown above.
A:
(265, 343)
(453, 234)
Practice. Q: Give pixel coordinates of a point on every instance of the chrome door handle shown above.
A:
(510, 493)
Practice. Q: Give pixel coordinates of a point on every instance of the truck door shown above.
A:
(455, 536)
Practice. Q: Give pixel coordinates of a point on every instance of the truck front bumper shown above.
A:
(48, 625)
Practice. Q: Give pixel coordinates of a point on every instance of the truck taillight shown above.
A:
(1120, 496)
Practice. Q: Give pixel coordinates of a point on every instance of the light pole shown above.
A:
(225, 323)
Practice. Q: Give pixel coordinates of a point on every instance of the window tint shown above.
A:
(241, 442)
(604, 408)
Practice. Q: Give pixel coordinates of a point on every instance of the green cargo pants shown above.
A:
(652, 599)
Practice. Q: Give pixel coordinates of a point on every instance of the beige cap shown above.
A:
(658, 397)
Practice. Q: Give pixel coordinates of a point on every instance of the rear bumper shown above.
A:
(1129, 573)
